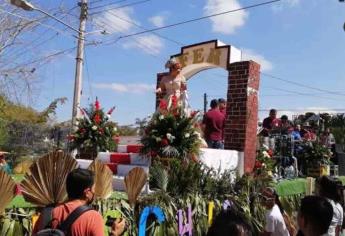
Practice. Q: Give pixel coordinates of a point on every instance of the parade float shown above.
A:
(170, 175)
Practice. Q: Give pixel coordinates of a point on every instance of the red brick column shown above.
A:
(159, 78)
(242, 110)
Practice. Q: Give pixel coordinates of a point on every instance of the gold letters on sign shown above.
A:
(201, 55)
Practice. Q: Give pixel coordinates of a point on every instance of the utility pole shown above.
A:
(79, 61)
(205, 102)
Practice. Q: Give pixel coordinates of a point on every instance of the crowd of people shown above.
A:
(272, 125)
(318, 215)
(290, 141)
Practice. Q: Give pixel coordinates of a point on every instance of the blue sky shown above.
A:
(297, 40)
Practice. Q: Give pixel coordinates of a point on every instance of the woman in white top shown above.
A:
(330, 189)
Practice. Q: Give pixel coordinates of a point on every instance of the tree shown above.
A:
(22, 43)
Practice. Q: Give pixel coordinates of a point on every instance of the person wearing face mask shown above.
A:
(80, 188)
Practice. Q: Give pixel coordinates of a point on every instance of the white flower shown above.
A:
(76, 123)
(265, 153)
(115, 129)
(94, 127)
(170, 137)
(158, 139)
(109, 116)
(161, 117)
(187, 135)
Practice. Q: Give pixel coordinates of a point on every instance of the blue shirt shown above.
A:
(296, 135)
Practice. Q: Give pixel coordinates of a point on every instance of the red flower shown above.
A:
(97, 105)
(258, 164)
(82, 130)
(111, 111)
(100, 130)
(153, 153)
(174, 101)
(164, 142)
(97, 119)
(163, 104)
(193, 114)
(270, 152)
(70, 137)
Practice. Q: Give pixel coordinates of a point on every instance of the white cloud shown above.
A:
(248, 54)
(116, 20)
(158, 20)
(126, 88)
(150, 44)
(227, 23)
(277, 7)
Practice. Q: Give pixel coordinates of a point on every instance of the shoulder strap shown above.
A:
(46, 217)
(66, 224)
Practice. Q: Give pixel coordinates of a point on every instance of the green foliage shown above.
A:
(171, 135)
(181, 178)
(94, 130)
(16, 222)
(316, 154)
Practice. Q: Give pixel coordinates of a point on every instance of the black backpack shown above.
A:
(64, 227)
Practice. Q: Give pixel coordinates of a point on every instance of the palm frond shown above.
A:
(45, 183)
(103, 179)
(7, 190)
(134, 182)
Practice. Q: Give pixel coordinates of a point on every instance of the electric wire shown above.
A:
(141, 27)
(122, 6)
(200, 18)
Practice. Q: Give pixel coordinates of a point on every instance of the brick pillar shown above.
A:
(242, 110)
(159, 78)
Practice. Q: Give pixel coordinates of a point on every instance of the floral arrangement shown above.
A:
(264, 162)
(94, 130)
(171, 134)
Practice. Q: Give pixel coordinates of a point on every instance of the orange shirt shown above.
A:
(89, 223)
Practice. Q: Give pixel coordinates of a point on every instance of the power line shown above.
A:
(106, 5)
(37, 21)
(4, 72)
(136, 40)
(303, 85)
(304, 94)
(122, 6)
(16, 54)
(200, 18)
(141, 27)
(325, 91)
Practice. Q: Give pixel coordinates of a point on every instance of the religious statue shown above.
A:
(173, 88)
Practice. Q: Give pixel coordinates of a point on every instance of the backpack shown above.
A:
(64, 227)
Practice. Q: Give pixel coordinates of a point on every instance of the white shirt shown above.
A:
(338, 214)
(275, 223)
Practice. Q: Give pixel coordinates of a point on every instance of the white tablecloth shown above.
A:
(222, 159)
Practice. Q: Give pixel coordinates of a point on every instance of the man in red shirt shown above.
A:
(270, 123)
(80, 189)
(213, 126)
(222, 106)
